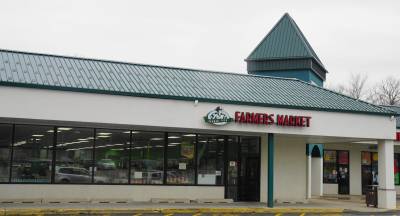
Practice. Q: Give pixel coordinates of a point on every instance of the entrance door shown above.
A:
(249, 169)
(232, 167)
(250, 179)
(243, 169)
(369, 169)
(343, 172)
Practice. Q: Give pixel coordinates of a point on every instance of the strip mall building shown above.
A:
(83, 128)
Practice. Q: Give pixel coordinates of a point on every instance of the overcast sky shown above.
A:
(348, 36)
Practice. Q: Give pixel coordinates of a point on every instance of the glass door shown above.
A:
(232, 164)
(343, 172)
(249, 169)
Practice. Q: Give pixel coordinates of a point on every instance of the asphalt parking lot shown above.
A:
(133, 213)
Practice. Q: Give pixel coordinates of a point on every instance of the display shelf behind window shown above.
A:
(147, 162)
(210, 159)
(74, 156)
(112, 156)
(180, 158)
(32, 157)
(107, 156)
(5, 143)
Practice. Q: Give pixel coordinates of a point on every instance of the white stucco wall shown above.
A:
(135, 192)
(97, 108)
(290, 176)
(290, 169)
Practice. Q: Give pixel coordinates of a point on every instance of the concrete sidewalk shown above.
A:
(314, 206)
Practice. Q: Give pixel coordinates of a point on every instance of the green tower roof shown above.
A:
(284, 41)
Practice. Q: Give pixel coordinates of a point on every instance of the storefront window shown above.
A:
(112, 156)
(375, 172)
(5, 142)
(180, 155)
(396, 169)
(32, 156)
(147, 163)
(369, 169)
(210, 158)
(74, 155)
(330, 170)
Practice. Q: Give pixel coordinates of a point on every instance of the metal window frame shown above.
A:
(131, 138)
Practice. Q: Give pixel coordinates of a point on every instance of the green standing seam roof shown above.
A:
(284, 41)
(22, 69)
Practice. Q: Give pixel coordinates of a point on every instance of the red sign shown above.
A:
(398, 136)
(269, 119)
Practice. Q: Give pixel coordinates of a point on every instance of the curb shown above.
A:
(77, 211)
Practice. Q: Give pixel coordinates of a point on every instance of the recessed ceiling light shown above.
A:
(37, 135)
(104, 134)
(174, 137)
(156, 138)
(189, 135)
(135, 132)
(82, 139)
(64, 129)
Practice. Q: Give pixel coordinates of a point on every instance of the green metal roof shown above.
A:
(32, 70)
(284, 41)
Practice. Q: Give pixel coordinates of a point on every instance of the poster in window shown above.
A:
(374, 157)
(343, 157)
(330, 156)
(187, 150)
(366, 158)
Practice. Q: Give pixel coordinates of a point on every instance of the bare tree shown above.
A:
(356, 86)
(387, 92)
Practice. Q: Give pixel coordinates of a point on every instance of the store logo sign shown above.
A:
(218, 117)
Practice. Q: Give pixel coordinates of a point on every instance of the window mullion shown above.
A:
(93, 155)
(11, 153)
(130, 157)
(54, 152)
(196, 160)
(165, 158)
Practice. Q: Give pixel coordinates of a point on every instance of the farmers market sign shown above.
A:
(220, 117)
